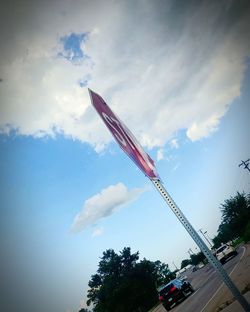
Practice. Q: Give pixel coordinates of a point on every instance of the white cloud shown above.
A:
(202, 129)
(160, 154)
(174, 143)
(104, 204)
(98, 232)
(176, 167)
(169, 72)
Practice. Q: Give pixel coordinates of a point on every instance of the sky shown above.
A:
(176, 73)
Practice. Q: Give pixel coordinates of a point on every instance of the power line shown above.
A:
(175, 266)
(245, 164)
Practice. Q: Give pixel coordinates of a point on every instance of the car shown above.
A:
(182, 277)
(174, 292)
(224, 252)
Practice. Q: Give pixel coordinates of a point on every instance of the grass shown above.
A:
(237, 242)
(228, 302)
(246, 289)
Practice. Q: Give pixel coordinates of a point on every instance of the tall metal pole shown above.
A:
(203, 247)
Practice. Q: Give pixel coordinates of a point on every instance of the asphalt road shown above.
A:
(205, 282)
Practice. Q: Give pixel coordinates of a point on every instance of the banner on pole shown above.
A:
(124, 137)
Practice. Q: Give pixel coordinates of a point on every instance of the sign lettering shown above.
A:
(124, 137)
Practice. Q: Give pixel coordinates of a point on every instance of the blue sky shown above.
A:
(179, 80)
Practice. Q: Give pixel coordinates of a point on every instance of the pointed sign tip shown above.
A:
(124, 137)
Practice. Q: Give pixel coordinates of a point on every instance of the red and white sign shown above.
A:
(124, 137)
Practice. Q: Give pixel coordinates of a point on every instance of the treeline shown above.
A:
(235, 224)
(194, 260)
(125, 284)
(235, 220)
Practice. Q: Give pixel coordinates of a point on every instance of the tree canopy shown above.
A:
(235, 217)
(197, 258)
(125, 284)
(185, 263)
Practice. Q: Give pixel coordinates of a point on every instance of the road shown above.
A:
(207, 285)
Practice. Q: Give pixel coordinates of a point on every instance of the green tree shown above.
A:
(123, 284)
(235, 215)
(197, 258)
(224, 235)
(234, 221)
(246, 235)
(162, 273)
(184, 263)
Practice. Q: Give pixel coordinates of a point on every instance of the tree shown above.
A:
(246, 235)
(184, 263)
(197, 258)
(235, 216)
(122, 284)
(224, 235)
(162, 273)
(84, 310)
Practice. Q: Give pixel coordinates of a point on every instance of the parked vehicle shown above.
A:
(174, 292)
(224, 252)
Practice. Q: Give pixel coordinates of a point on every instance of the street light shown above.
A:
(190, 251)
(175, 265)
(203, 233)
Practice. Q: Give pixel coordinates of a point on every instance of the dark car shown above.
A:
(173, 292)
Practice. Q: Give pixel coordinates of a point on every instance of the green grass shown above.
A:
(237, 242)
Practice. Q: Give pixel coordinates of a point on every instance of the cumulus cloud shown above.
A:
(181, 67)
(160, 154)
(98, 232)
(103, 205)
(175, 167)
(174, 143)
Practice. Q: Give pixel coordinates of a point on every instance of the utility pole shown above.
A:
(245, 164)
(175, 265)
(203, 233)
